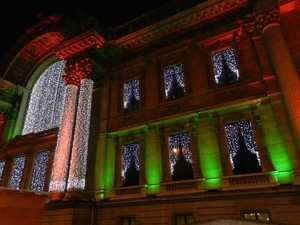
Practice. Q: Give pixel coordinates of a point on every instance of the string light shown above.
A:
(131, 90)
(229, 57)
(17, 172)
(46, 100)
(2, 164)
(131, 154)
(62, 151)
(39, 171)
(232, 135)
(169, 74)
(80, 144)
(179, 142)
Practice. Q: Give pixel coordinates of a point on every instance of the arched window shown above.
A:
(46, 100)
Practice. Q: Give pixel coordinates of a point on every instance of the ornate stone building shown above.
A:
(188, 114)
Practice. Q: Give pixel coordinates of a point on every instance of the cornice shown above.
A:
(195, 15)
(80, 43)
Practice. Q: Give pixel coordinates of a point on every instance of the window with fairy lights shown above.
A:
(39, 171)
(131, 164)
(131, 95)
(17, 172)
(46, 100)
(243, 152)
(2, 164)
(174, 84)
(180, 157)
(225, 67)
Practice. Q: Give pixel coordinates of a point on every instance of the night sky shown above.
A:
(18, 15)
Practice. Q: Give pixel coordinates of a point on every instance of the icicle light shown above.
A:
(81, 136)
(17, 172)
(176, 142)
(46, 100)
(62, 151)
(177, 71)
(39, 171)
(131, 90)
(2, 164)
(229, 57)
(232, 136)
(131, 154)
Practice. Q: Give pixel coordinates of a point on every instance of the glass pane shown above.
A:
(225, 67)
(263, 216)
(180, 220)
(189, 218)
(39, 171)
(130, 167)
(131, 95)
(17, 172)
(2, 164)
(174, 84)
(250, 216)
(125, 221)
(180, 156)
(132, 221)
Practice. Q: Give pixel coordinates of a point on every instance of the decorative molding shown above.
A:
(249, 180)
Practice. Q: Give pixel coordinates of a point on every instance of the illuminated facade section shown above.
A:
(46, 100)
(81, 136)
(180, 157)
(62, 151)
(39, 171)
(2, 164)
(17, 172)
(130, 164)
(225, 67)
(131, 95)
(243, 152)
(174, 83)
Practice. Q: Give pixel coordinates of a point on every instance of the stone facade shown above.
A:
(237, 67)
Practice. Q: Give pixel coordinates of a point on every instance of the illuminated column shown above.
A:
(77, 173)
(266, 22)
(62, 151)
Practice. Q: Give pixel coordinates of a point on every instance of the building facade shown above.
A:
(185, 115)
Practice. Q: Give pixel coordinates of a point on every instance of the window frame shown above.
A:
(121, 218)
(256, 212)
(185, 214)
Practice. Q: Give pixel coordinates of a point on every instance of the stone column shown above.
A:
(60, 168)
(77, 173)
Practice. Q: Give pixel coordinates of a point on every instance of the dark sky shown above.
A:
(18, 15)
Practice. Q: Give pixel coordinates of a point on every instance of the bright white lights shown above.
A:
(46, 100)
(17, 172)
(130, 155)
(232, 135)
(81, 136)
(39, 171)
(174, 74)
(2, 164)
(131, 95)
(62, 151)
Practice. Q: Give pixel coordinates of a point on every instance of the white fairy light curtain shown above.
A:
(225, 67)
(243, 152)
(180, 156)
(131, 95)
(46, 100)
(130, 165)
(17, 172)
(39, 171)
(174, 83)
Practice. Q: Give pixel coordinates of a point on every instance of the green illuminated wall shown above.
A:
(209, 156)
(153, 166)
(275, 145)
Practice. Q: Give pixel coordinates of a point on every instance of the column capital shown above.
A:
(258, 21)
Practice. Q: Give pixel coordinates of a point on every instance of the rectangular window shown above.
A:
(180, 157)
(262, 216)
(130, 164)
(17, 172)
(128, 221)
(174, 84)
(184, 219)
(131, 95)
(2, 164)
(243, 152)
(225, 67)
(39, 171)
